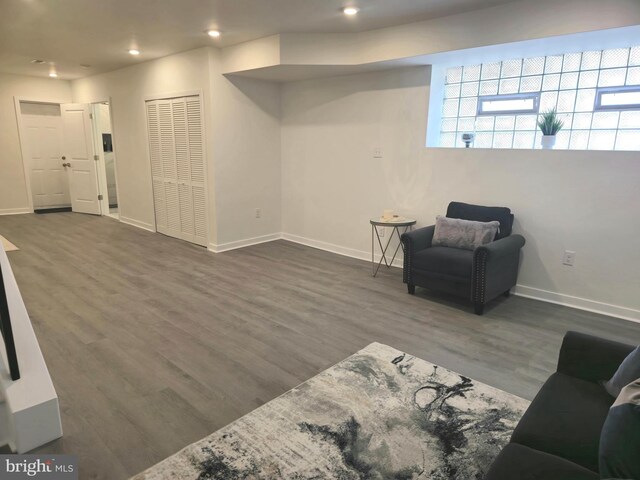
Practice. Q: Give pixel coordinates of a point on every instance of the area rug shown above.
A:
(8, 246)
(379, 414)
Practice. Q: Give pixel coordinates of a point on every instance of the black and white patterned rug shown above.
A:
(379, 414)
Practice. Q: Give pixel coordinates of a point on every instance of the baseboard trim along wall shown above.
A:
(14, 211)
(225, 247)
(578, 302)
(520, 290)
(137, 223)
(347, 252)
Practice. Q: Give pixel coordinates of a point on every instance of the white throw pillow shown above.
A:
(467, 234)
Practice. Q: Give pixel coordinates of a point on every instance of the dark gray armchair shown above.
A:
(479, 275)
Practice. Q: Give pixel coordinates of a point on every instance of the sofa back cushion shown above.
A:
(466, 234)
(620, 438)
(478, 213)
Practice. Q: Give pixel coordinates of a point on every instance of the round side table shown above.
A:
(395, 225)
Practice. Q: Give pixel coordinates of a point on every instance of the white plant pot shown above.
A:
(548, 141)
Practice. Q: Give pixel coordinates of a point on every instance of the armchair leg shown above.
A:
(411, 288)
(479, 308)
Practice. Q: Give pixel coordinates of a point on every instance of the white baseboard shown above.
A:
(137, 223)
(347, 252)
(578, 302)
(15, 211)
(225, 247)
(520, 290)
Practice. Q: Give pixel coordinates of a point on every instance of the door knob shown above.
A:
(64, 158)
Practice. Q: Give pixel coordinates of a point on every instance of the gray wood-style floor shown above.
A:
(153, 343)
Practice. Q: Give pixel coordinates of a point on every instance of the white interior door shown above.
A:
(43, 143)
(78, 153)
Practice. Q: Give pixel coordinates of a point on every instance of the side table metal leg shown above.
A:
(373, 263)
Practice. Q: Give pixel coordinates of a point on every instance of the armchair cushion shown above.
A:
(479, 213)
(445, 260)
(467, 234)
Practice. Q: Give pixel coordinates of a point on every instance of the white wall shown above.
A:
(516, 21)
(13, 189)
(246, 151)
(562, 200)
(127, 88)
(242, 135)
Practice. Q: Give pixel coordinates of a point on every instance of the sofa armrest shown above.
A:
(590, 358)
(418, 239)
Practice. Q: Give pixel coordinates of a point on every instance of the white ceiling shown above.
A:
(69, 33)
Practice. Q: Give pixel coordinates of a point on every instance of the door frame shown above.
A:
(165, 96)
(98, 143)
(23, 138)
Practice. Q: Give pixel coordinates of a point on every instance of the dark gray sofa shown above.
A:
(479, 275)
(559, 434)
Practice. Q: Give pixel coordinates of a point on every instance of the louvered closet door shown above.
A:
(196, 162)
(177, 163)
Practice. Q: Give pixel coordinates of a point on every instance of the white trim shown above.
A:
(165, 96)
(578, 303)
(15, 211)
(225, 247)
(347, 252)
(137, 223)
(520, 290)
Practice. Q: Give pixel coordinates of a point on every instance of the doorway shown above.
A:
(67, 152)
(103, 145)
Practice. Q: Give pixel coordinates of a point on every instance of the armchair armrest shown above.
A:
(590, 358)
(495, 269)
(500, 248)
(418, 239)
(413, 242)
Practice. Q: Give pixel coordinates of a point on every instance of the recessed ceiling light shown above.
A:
(133, 51)
(213, 33)
(350, 10)
(53, 75)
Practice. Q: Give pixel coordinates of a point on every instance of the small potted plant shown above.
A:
(549, 125)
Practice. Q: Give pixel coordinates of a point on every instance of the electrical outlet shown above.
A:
(569, 258)
(258, 213)
(381, 231)
(377, 152)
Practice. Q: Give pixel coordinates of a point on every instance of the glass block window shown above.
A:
(596, 93)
